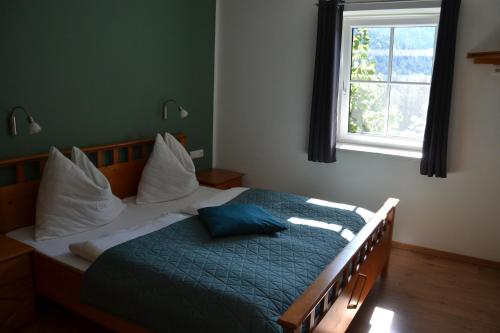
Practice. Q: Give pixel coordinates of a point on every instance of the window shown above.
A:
(386, 71)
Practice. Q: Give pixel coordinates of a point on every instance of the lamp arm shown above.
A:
(172, 101)
(15, 108)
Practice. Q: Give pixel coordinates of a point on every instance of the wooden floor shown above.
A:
(429, 294)
(421, 294)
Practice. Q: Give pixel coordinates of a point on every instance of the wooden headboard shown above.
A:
(121, 163)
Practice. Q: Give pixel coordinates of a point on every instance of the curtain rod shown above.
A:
(343, 3)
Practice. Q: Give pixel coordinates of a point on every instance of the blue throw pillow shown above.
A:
(239, 219)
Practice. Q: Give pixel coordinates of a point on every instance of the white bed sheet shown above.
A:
(93, 248)
(132, 216)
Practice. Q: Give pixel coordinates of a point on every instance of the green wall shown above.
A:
(97, 71)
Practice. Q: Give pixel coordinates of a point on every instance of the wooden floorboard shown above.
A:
(430, 294)
(423, 293)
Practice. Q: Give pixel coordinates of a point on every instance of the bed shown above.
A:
(327, 304)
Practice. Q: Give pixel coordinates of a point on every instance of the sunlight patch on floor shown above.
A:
(381, 320)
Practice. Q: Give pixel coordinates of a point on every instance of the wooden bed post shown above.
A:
(390, 225)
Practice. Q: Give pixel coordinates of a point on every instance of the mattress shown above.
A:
(133, 216)
(152, 216)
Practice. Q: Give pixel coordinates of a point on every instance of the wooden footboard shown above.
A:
(331, 301)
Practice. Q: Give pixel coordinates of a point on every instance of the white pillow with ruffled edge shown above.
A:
(167, 175)
(73, 197)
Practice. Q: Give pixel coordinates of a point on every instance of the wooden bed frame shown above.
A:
(327, 305)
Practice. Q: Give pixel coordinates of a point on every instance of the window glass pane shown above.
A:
(408, 110)
(412, 54)
(368, 108)
(370, 53)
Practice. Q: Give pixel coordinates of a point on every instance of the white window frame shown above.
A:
(369, 18)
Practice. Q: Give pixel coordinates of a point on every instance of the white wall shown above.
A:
(265, 60)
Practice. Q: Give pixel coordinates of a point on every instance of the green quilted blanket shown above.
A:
(179, 279)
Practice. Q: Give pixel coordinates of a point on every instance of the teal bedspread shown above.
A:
(179, 279)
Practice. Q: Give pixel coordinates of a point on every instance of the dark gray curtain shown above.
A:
(323, 123)
(434, 150)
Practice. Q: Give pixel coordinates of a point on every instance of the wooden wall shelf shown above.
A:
(491, 58)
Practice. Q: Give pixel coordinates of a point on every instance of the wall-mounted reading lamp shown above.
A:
(181, 110)
(33, 128)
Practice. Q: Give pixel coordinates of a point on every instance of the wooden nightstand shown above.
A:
(17, 299)
(219, 178)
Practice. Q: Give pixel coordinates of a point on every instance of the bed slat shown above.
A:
(116, 156)
(100, 158)
(130, 152)
(41, 166)
(20, 177)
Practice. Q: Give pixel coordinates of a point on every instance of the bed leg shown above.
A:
(390, 221)
(385, 270)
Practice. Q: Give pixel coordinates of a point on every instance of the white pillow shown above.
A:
(166, 176)
(180, 152)
(73, 197)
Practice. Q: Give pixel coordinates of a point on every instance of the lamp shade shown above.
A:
(34, 128)
(184, 113)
